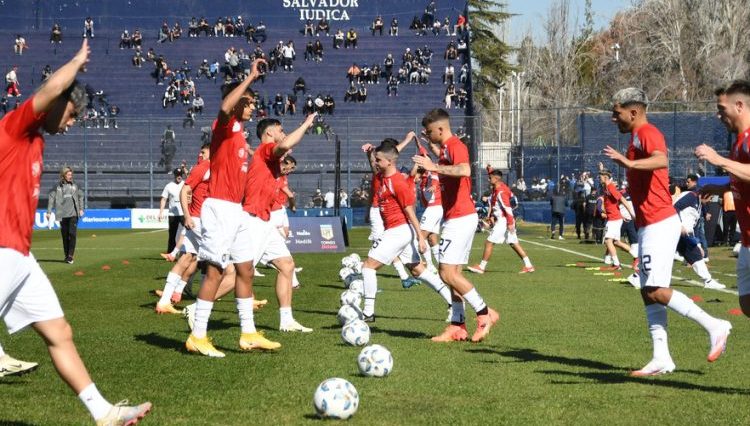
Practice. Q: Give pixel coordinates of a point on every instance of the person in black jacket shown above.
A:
(66, 199)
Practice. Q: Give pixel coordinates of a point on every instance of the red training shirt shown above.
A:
(500, 204)
(21, 149)
(740, 189)
(611, 202)
(281, 197)
(649, 189)
(394, 195)
(262, 181)
(456, 193)
(430, 180)
(198, 180)
(374, 187)
(228, 162)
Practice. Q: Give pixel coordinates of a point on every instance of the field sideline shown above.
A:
(560, 353)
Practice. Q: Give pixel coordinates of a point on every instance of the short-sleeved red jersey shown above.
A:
(649, 189)
(741, 190)
(228, 162)
(281, 197)
(262, 181)
(611, 202)
(456, 193)
(500, 204)
(429, 189)
(21, 149)
(198, 180)
(394, 194)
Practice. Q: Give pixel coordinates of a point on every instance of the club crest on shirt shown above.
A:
(241, 152)
(36, 169)
(236, 127)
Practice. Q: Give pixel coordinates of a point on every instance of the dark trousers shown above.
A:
(174, 222)
(557, 218)
(579, 223)
(729, 222)
(588, 222)
(69, 229)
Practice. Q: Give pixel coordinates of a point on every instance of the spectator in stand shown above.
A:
(343, 198)
(449, 73)
(436, 27)
(377, 25)
(20, 45)
(450, 94)
(375, 75)
(309, 51)
(176, 32)
(290, 105)
(56, 34)
(189, 118)
(366, 74)
(259, 36)
(317, 199)
(126, 42)
(204, 27)
(329, 105)
(351, 93)
(330, 199)
(318, 51)
(351, 39)
(388, 65)
(462, 48)
(193, 27)
(429, 13)
(353, 73)
(138, 58)
(11, 83)
(392, 86)
(218, 27)
(463, 76)
(460, 25)
(323, 28)
(362, 94)
(288, 54)
(407, 57)
(393, 32)
(163, 32)
(88, 27)
(239, 26)
(416, 24)
(462, 98)
(46, 72)
(113, 112)
(66, 199)
(278, 105)
(451, 52)
(228, 27)
(300, 86)
(338, 39)
(309, 28)
(198, 104)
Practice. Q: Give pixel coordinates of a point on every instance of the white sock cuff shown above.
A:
(680, 303)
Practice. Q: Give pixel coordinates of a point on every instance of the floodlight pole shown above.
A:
(337, 178)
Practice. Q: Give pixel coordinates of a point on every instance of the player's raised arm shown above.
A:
(231, 100)
(404, 142)
(61, 80)
(295, 137)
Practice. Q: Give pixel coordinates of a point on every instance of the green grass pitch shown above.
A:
(559, 355)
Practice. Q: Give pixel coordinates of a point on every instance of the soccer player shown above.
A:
(10, 366)
(432, 216)
(733, 105)
(261, 191)
(225, 236)
(459, 224)
(26, 295)
(504, 225)
(402, 236)
(279, 218)
(613, 198)
(658, 231)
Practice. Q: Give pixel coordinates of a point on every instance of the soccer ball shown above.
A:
(336, 398)
(350, 297)
(375, 361)
(356, 333)
(349, 313)
(344, 272)
(357, 285)
(351, 277)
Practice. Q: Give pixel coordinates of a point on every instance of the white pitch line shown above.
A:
(682, 279)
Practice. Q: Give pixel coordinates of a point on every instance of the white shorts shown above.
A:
(612, 229)
(431, 218)
(456, 238)
(656, 246)
(743, 271)
(500, 233)
(400, 242)
(26, 295)
(279, 218)
(377, 227)
(226, 236)
(274, 248)
(192, 241)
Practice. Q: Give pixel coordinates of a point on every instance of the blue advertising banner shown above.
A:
(92, 219)
(315, 234)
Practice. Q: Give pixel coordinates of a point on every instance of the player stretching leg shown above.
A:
(279, 218)
(504, 225)
(658, 231)
(733, 104)
(26, 295)
(459, 224)
(432, 216)
(225, 235)
(613, 198)
(402, 236)
(261, 191)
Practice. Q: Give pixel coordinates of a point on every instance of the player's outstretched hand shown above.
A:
(367, 147)
(706, 153)
(254, 74)
(615, 156)
(309, 120)
(82, 56)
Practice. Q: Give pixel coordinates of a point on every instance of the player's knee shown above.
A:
(416, 269)
(284, 264)
(652, 295)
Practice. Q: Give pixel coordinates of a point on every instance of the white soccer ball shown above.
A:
(356, 257)
(375, 361)
(357, 267)
(356, 333)
(344, 272)
(350, 297)
(357, 285)
(349, 313)
(350, 278)
(336, 398)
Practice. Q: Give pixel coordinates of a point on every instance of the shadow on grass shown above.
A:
(531, 355)
(619, 378)
(14, 423)
(335, 287)
(162, 342)
(408, 334)
(42, 261)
